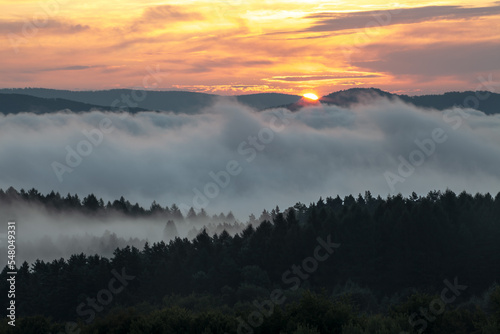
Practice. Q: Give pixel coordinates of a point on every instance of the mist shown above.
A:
(230, 157)
(48, 234)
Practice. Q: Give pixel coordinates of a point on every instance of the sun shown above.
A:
(311, 96)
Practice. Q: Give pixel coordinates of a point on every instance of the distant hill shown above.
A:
(348, 97)
(49, 100)
(176, 101)
(16, 103)
(345, 98)
(489, 106)
(267, 100)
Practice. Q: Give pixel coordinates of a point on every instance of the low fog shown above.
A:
(231, 157)
(46, 234)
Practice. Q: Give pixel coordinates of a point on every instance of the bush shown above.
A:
(305, 329)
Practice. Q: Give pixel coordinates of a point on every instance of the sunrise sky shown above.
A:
(239, 47)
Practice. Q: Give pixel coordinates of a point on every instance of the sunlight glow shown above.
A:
(311, 96)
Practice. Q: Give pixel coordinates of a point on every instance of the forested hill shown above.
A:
(389, 247)
(16, 103)
(175, 101)
(487, 102)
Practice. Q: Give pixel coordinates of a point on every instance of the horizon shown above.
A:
(493, 91)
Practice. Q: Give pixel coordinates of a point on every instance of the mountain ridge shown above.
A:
(175, 101)
(42, 100)
(484, 101)
(17, 103)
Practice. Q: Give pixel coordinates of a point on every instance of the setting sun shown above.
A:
(311, 96)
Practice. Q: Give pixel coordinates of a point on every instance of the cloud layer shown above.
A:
(233, 158)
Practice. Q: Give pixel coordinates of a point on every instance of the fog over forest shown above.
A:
(316, 151)
(49, 234)
(231, 157)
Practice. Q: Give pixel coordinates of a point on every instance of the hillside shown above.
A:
(176, 101)
(16, 103)
(489, 105)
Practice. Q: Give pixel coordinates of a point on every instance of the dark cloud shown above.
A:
(359, 20)
(29, 28)
(71, 68)
(432, 60)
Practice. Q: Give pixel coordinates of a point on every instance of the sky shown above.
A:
(240, 47)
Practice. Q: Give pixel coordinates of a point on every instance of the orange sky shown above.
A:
(245, 46)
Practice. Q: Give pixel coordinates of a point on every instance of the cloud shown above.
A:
(71, 68)
(432, 60)
(165, 15)
(239, 89)
(359, 20)
(51, 26)
(319, 77)
(168, 12)
(318, 151)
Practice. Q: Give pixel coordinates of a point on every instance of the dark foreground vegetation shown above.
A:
(352, 265)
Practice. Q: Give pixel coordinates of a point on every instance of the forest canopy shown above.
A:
(393, 256)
